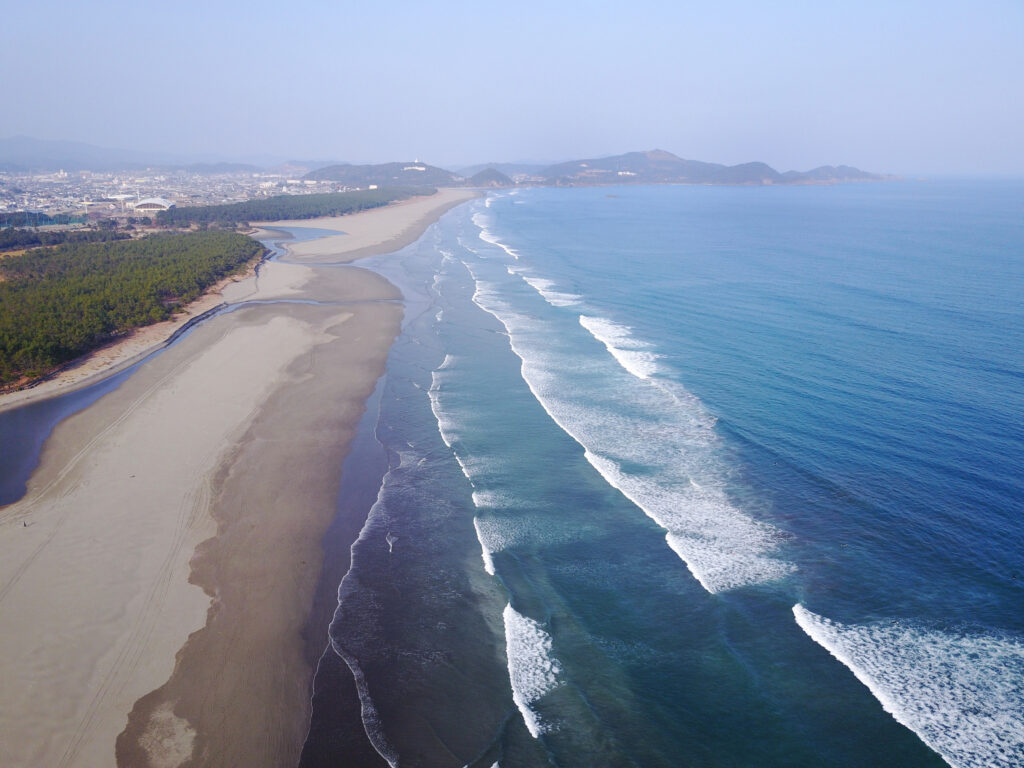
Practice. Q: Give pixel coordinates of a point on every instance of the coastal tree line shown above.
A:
(37, 219)
(58, 303)
(16, 239)
(285, 207)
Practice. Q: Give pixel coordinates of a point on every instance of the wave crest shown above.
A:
(631, 353)
(962, 695)
(532, 669)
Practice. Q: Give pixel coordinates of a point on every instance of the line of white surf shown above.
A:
(721, 546)
(963, 695)
(633, 355)
(532, 668)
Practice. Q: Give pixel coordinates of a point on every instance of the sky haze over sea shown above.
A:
(914, 87)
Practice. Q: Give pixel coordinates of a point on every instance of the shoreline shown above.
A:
(121, 354)
(163, 562)
(356, 241)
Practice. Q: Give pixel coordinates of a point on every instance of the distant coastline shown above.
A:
(651, 167)
(21, 155)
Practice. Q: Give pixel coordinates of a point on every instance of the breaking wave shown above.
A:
(962, 694)
(532, 669)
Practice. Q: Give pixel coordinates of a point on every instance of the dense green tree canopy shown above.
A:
(59, 303)
(15, 239)
(286, 207)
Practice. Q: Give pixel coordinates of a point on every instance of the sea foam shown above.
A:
(445, 424)
(372, 723)
(664, 436)
(485, 234)
(485, 551)
(722, 547)
(963, 695)
(548, 290)
(532, 669)
(631, 353)
(487, 532)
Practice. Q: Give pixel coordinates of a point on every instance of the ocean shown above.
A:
(694, 476)
(682, 476)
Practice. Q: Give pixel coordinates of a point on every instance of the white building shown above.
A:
(152, 205)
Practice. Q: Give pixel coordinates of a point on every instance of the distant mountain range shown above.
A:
(661, 167)
(653, 167)
(301, 167)
(509, 169)
(412, 174)
(21, 154)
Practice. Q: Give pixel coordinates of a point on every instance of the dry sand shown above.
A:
(164, 559)
(391, 228)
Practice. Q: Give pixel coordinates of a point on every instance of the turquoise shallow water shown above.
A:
(701, 476)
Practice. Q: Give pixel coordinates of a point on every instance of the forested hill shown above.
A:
(59, 303)
(660, 167)
(490, 177)
(284, 207)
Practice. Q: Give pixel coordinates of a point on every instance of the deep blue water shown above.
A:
(701, 476)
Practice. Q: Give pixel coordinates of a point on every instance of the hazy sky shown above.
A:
(904, 87)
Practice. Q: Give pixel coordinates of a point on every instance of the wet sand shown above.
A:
(164, 559)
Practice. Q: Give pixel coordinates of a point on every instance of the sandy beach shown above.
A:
(388, 230)
(158, 576)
